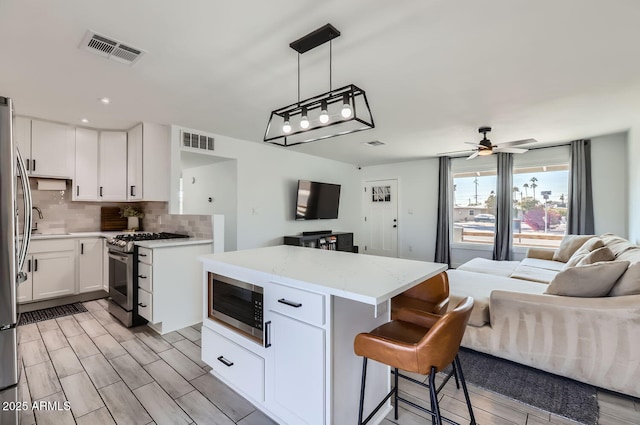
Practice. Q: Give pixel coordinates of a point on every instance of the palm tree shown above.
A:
(526, 192)
(516, 189)
(533, 186)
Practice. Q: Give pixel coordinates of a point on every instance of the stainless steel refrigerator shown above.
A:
(14, 244)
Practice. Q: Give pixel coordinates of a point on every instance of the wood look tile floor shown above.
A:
(113, 375)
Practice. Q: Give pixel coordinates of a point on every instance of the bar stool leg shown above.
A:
(455, 375)
(364, 378)
(434, 396)
(456, 363)
(395, 395)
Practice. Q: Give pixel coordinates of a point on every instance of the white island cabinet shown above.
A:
(304, 370)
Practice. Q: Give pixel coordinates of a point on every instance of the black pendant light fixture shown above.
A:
(334, 113)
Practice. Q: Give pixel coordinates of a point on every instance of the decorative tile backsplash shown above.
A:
(61, 215)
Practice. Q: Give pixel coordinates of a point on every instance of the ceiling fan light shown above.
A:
(485, 152)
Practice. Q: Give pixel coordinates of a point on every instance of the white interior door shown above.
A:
(380, 206)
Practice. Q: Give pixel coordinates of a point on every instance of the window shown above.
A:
(474, 185)
(540, 192)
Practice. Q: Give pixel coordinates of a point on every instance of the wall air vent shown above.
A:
(197, 141)
(110, 48)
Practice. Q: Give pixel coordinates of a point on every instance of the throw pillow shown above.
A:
(569, 245)
(597, 256)
(590, 245)
(593, 280)
(629, 282)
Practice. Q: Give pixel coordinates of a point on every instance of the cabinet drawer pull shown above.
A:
(34, 164)
(100, 191)
(142, 305)
(267, 334)
(142, 255)
(132, 191)
(142, 277)
(29, 266)
(224, 361)
(35, 265)
(78, 190)
(27, 164)
(290, 303)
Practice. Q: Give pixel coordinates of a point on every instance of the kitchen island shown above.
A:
(302, 369)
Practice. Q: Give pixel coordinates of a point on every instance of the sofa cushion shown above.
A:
(479, 286)
(542, 264)
(631, 255)
(590, 245)
(616, 244)
(534, 274)
(496, 268)
(569, 245)
(596, 256)
(593, 280)
(628, 283)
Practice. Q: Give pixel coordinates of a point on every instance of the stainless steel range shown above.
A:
(123, 265)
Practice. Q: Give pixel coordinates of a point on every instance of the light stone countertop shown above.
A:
(162, 243)
(365, 278)
(166, 243)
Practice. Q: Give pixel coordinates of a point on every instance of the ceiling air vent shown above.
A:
(110, 48)
(375, 143)
(197, 141)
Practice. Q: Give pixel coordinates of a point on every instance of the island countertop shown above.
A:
(368, 279)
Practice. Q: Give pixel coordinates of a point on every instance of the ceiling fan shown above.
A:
(485, 147)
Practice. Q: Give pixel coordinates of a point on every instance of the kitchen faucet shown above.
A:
(35, 223)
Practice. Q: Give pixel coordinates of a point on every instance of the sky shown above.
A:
(555, 181)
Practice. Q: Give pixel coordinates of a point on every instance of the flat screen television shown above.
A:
(317, 200)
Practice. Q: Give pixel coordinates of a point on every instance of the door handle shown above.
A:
(132, 191)
(267, 334)
(28, 165)
(34, 164)
(29, 266)
(81, 249)
(77, 190)
(100, 190)
(225, 362)
(290, 303)
(35, 265)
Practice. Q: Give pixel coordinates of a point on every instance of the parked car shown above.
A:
(490, 218)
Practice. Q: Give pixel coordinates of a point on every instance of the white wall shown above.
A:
(609, 180)
(633, 183)
(417, 204)
(217, 181)
(418, 193)
(267, 185)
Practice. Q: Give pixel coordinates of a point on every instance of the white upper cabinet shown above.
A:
(85, 182)
(156, 161)
(113, 166)
(134, 163)
(51, 149)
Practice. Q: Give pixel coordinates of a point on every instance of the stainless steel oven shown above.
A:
(121, 288)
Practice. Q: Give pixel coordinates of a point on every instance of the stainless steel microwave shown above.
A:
(237, 304)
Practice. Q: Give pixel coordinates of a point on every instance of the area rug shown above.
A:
(552, 393)
(50, 313)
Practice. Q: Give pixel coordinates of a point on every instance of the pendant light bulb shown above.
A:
(286, 127)
(324, 115)
(304, 121)
(346, 107)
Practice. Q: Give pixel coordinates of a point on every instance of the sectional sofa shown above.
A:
(574, 311)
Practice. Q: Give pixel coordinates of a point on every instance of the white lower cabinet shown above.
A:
(298, 370)
(234, 363)
(90, 261)
(52, 268)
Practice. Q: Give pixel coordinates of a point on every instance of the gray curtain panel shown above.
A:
(445, 192)
(502, 244)
(580, 209)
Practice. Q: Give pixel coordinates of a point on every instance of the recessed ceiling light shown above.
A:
(84, 120)
(105, 100)
(375, 143)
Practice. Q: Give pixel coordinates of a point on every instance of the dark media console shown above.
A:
(334, 241)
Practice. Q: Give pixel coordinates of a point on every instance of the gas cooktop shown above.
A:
(124, 242)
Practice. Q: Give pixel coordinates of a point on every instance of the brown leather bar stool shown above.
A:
(431, 296)
(417, 342)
